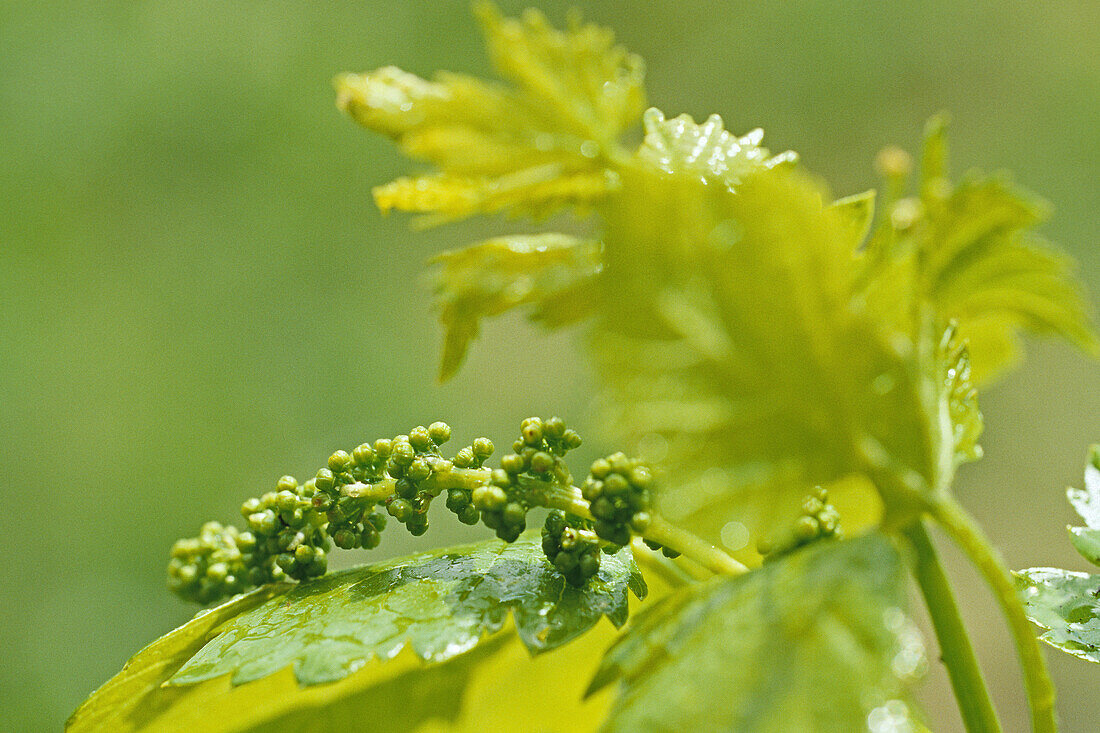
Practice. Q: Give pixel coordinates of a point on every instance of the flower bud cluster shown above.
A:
(537, 456)
(572, 548)
(220, 562)
(819, 520)
(618, 489)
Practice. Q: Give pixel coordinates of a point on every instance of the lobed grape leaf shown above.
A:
(553, 274)
(1067, 605)
(734, 334)
(139, 682)
(814, 641)
(323, 647)
(984, 267)
(680, 146)
(1087, 500)
(530, 147)
(440, 603)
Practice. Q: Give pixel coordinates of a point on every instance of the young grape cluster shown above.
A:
(292, 528)
(618, 489)
(573, 550)
(537, 456)
(819, 520)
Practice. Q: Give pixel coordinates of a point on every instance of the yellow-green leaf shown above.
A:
(984, 267)
(551, 274)
(540, 143)
(733, 334)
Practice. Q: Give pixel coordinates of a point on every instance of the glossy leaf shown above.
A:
(682, 147)
(1067, 605)
(1087, 542)
(439, 603)
(814, 641)
(857, 211)
(551, 274)
(531, 147)
(446, 614)
(1087, 500)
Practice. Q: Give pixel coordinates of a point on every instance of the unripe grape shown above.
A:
(542, 462)
(377, 520)
(514, 513)
(440, 432)
(370, 538)
(363, 455)
(418, 470)
(400, 509)
(420, 439)
(324, 480)
(465, 458)
(403, 454)
(600, 468)
(512, 464)
(345, 539)
(286, 483)
(531, 429)
(571, 439)
(339, 461)
(482, 448)
(457, 499)
(554, 428)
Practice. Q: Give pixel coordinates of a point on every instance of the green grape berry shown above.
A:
(420, 439)
(482, 448)
(439, 432)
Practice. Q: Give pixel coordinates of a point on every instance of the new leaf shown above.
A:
(352, 635)
(815, 641)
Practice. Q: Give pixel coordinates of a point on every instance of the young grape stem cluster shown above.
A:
(347, 504)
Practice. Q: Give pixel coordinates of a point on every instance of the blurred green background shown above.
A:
(197, 295)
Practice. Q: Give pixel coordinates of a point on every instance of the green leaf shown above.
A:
(857, 210)
(1087, 542)
(439, 603)
(814, 641)
(681, 147)
(1087, 500)
(985, 268)
(552, 274)
(1067, 605)
(140, 680)
(529, 148)
(406, 635)
(736, 338)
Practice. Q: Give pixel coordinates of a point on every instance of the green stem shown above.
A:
(965, 532)
(956, 650)
(659, 565)
(692, 546)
